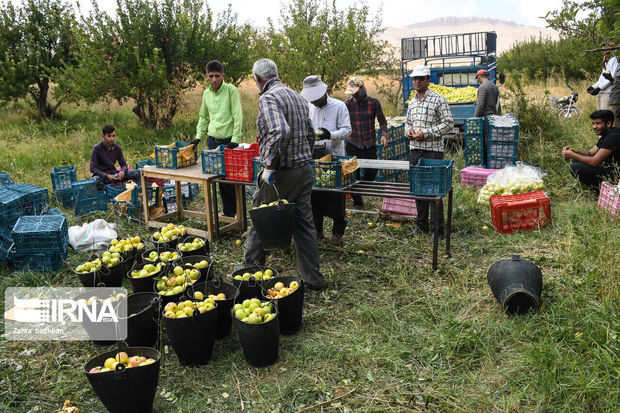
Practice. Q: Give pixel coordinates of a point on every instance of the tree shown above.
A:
(598, 21)
(317, 38)
(36, 39)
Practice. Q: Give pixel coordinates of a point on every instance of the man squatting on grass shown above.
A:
(602, 161)
(286, 139)
(103, 159)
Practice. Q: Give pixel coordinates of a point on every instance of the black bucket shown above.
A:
(143, 317)
(104, 277)
(274, 225)
(165, 299)
(259, 342)
(145, 284)
(192, 337)
(516, 284)
(166, 246)
(139, 384)
(290, 308)
(206, 273)
(131, 257)
(251, 288)
(203, 251)
(224, 320)
(97, 329)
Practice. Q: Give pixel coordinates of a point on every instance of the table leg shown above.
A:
(435, 233)
(179, 195)
(244, 223)
(209, 215)
(145, 200)
(239, 189)
(449, 226)
(216, 214)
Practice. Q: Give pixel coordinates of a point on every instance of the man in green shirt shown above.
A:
(220, 118)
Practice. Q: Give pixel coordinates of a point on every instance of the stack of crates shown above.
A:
(154, 195)
(62, 179)
(87, 198)
(189, 191)
(5, 179)
(502, 136)
(36, 198)
(474, 142)
(39, 243)
(396, 149)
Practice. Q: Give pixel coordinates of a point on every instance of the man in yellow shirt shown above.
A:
(220, 118)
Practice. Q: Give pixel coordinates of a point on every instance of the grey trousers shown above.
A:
(294, 185)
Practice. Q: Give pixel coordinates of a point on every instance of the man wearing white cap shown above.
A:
(488, 96)
(330, 119)
(428, 119)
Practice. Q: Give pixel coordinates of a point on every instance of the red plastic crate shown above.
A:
(472, 176)
(609, 199)
(239, 163)
(521, 212)
(403, 206)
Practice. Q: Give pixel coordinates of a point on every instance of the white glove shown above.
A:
(267, 176)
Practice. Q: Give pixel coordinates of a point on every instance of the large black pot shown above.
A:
(516, 284)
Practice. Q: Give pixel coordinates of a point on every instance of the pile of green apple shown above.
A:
(178, 282)
(186, 308)
(258, 275)
(512, 187)
(279, 290)
(147, 270)
(253, 311)
(89, 266)
(122, 358)
(191, 246)
(110, 259)
(169, 232)
(164, 256)
(126, 245)
(200, 265)
(112, 298)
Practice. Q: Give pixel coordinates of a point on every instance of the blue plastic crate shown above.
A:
(63, 197)
(329, 174)
(40, 261)
(36, 197)
(169, 157)
(5, 233)
(194, 190)
(499, 162)
(62, 177)
(153, 195)
(41, 233)
(54, 211)
(393, 150)
(86, 205)
(142, 164)
(5, 179)
(213, 161)
(474, 149)
(496, 132)
(5, 246)
(12, 206)
(257, 168)
(430, 177)
(474, 126)
(502, 149)
(86, 188)
(112, 191)
(394, 133)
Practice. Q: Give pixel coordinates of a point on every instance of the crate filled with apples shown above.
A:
(254, 311)
(279, 290)
(124, 359)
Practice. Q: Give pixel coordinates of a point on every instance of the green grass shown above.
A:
(389, 335)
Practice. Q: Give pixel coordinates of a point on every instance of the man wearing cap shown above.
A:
(428, 119)
(330, 118)
(286, 138)
(363, 110)
(220, 118)
(488, 96)
(602, 88)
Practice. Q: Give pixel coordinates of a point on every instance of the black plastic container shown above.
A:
(166, 246)
(145, 284)
(202, 251)
(95, 330)
(192, 337)
(224, 319)
(290, 308)
(126, 390)
(274, 225)
(516, 284)
(251, 288)
(104, 277)
(143, 318)
(260, 342)
(131, 257)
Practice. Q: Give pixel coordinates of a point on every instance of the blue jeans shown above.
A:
(227, 191)
(133, 175)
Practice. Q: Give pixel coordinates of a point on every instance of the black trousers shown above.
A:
(227, 191)
(592, 176)
(368, 173)
(422, 206)
(331, 205)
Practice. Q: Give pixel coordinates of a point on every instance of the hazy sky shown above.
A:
(396, 13)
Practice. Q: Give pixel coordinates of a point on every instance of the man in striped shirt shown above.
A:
(286, 139)
(428, 119)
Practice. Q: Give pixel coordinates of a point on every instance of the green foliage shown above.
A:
(595, 21)
(36, 39)
(543, 58)
(317, 38)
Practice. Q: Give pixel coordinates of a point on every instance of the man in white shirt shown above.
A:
(330, 120)
(602, 88)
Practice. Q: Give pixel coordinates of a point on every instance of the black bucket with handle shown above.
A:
(290, 307)
(260, 342)
(251, 288)
(145, 284)
(143, 318)
(274, 224)
(216, 286)
(204, 250)
(516, 284)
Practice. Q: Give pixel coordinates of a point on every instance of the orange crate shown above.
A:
(239, 163)
(609, 199)
(521, 212)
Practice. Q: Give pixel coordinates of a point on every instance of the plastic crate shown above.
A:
(11, 206)
(194, 190)
(36, 197)
(257, 168)
(496, 132)
(62, 177)
(474, 150)
(5, 246)
(239, 163)
(40, 261)
(87, 204)
(394, 133)
(5, 179)
(499, 162)
(54, 211)
(63, 197)
(393, 150)
(171, 159)
(609, 199)
(112, 191)
(41, 233)
(86, 188)
(153, 195)
(477, 177)
(142, 164)
(213, 161)
(402, 206)
(474, 126)
(329, 174)
(502, 149)
(521, 212)
(430, 177)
